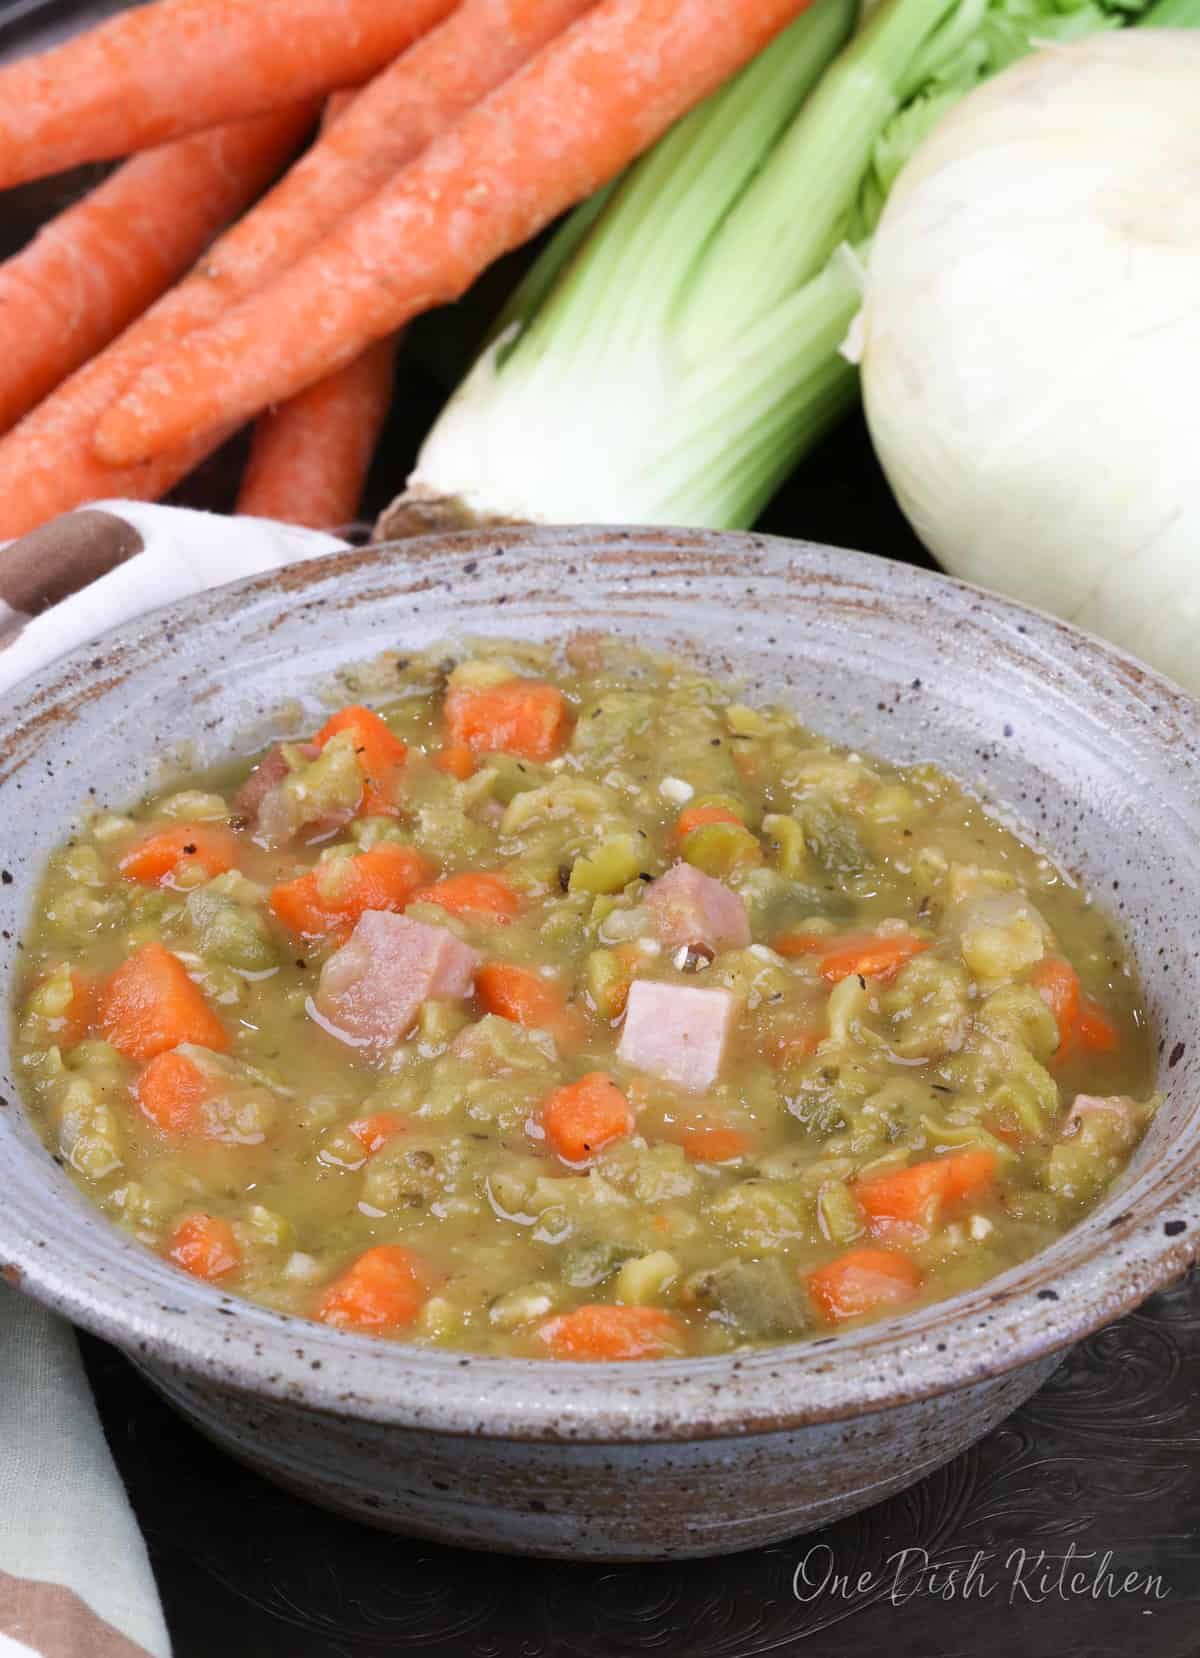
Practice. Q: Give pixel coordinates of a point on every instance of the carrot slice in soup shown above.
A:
(909, 1202)
(705, 1140)
(1083, 1026)
(373, 1132)
(383, 1290)
(380, 753)
(584, 1116)
(866, 954)
(205, 1246)
(862, 1281)
(331, 898)
(526, 717)
(1057, 983)
(601, 1332)
(472, 898)
(149, 1005)
(696, 817)
(517, 994)
(456, 760)
(170, 1092)
(156, 860)
(77, 1020)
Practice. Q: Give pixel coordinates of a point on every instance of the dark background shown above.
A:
(1106, 1459)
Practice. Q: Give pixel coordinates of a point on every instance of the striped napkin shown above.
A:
(75, 1579)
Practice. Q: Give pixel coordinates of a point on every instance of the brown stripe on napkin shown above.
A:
(56, 1623)
(58, 559)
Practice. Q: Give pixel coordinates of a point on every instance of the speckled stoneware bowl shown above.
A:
(1083, 749)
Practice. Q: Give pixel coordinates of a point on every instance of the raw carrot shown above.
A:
(456, 760)
(582, 1117)
(331, 898)
(309, 457)
(555, 131)
(179, 66)
(170, 1092)
(158, 859)
(375, 1131)
(601, 1333)
(909, 1202)
(101, 262)
(866, 954)
(205, 1246)
(696, 817)
(380, 756)
(705, 1140)
(526, 717)
(862, 1281)
(46, 462)
(49, 466)
(473, 898)
(149, 1005)
(383, 1290)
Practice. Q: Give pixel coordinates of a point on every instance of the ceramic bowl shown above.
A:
(1082, 749)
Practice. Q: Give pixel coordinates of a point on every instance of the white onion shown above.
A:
(1031, 339)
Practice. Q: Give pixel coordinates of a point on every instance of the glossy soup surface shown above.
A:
(569, 1007)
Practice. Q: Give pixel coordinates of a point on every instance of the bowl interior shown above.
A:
(1075, 745)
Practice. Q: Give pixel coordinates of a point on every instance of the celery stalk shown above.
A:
(675, 350)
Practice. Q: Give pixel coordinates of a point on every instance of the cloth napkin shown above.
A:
(75, 1578)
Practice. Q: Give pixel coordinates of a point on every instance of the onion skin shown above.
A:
(1031, 339)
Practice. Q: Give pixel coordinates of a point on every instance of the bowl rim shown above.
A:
(1148, 1232)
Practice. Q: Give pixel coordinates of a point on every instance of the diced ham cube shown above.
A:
(1124, 1114)
(691, 908)
(372, 989)
(677, 1033)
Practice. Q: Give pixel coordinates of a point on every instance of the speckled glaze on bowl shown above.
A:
(1081, 747)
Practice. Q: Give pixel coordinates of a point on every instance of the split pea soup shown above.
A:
(568, 1006)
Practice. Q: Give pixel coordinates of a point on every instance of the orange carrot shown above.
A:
(519, 716)
(909, 1202)
(380, 756)
(101, 262)
(382, 1291)
(158, 858)
(524, 997)
(866, 954)
(373, 1132)
(309, 457)
(70, 1028)
(46, 462)
(696, 817)
(795, 1039)
(179, 66)
(554, 132)
(170, 1092)
(331, 898)
(862, 1281)
(705, 1140)
(205, 1246)
(601, 1333)
(1083, 1025)
(473, 898)
(49, 466)
(1057, 983)
(582, 1117)
(149, 1005)
(456, 760)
